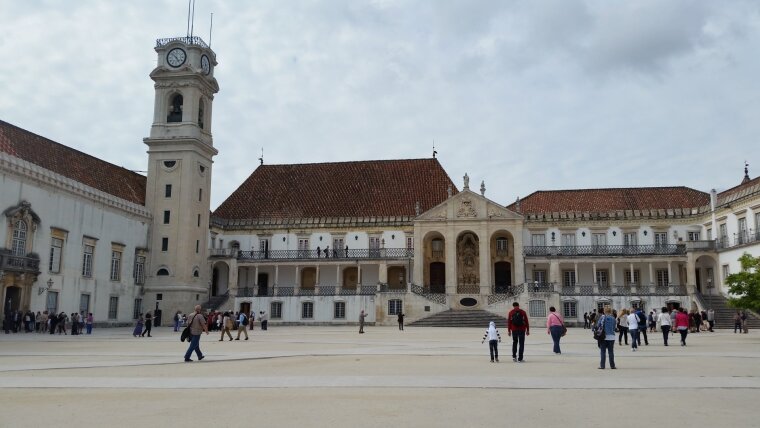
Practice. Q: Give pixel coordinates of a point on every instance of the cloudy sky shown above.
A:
(526, 95)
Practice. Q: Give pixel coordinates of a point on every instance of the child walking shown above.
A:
(494, 338)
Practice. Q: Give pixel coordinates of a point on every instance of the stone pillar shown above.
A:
(316, 283)
(651, 275)
(451, 261)
(691, 266)
(338, 280)
(575, 269)
(670, 274)
(276, 275)
(593, 267)
(297, 287)
(256, 281)
(383, 273)
(612, 274)
(554, 274)
(484, 250)
(232, 281)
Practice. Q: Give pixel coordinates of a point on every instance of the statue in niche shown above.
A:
(468, 255)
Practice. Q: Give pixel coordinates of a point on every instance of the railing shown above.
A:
(195, 40)
(603, 250)
(741, 238)
(12, 262)
(327, 290)
(700, 245)
(222, 252)
(327, 255)
(439, 298)
(468, 289)
(623, 290)
(386, 288)
(508, 293)
(540, 287)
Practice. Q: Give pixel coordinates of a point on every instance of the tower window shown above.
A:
(199, 220)
(170, 164)
(200, 195)
(175, 109)
(164, 244)
(162, 272)
(167, 216)
(168, 191)
(200, 114)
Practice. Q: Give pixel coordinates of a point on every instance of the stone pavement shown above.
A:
(332, 376)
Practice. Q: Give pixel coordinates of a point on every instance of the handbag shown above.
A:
(599, 333)
(564, 329)
(186, 331)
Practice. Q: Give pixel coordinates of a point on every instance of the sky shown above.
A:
(523, 95)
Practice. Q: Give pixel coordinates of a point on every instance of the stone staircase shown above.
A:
(724, 314)
(215, 302)
(462, 318)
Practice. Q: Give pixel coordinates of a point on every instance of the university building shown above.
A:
(318, 243)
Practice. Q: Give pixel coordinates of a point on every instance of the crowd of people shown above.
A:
(44, 322)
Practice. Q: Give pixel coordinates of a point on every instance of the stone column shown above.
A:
(338, 280)
(612, 274)
(256, 281)
(297, 286)
(651, 275)
(575, 268)
(484, 250)
(383, 273)
(670, 274)
(232, 281)
(691, 265)
(451, 261)
(316, 283)
(554, 274)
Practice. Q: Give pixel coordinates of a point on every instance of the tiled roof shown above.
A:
(71, 163)
(379, 188)
(738, 192)
(609, 200)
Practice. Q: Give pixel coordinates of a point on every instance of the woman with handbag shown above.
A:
(556, 327)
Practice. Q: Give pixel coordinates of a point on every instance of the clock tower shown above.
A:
(180, 152)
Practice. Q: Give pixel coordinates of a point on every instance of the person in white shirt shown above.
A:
(623, 326)
(664, 320)
(633, 328)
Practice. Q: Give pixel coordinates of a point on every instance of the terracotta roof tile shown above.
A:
(89, 170)
(617, 199)
(340, 189)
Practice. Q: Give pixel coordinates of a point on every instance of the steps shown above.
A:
(724, 314)
(215, 302)
(462, 318)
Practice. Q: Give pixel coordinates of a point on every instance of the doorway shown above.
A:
(502, 276)
(245, 308)
(263, 281)
(437, 277)
(12, 299)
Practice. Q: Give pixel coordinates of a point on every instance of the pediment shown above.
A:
(468, 205)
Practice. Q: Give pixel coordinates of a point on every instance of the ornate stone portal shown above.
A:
(468, 264)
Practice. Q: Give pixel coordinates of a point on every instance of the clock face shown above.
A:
(176, 57)
(205, 65)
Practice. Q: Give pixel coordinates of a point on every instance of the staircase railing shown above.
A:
(439, 298)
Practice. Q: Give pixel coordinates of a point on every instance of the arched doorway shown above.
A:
(704, 275)
(437, 277)
(502, 276)
(12, 299)
(219, 278)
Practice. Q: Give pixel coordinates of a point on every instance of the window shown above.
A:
(137, 309)
(167, 216)
(757, 226)
(630, 239)
(164, 244)
(501, 246)
(693, 236)
(537, 308)
(710, 277)
(200, 195)
(115, 265)
(726, 272)
(570, 310)
(568, 278)
(56, 250)
(374, 246)
(709, 235)
(742, 238)
(199, 220)
(538, 240)
(200, 114)
(196, 273)
(662, 278)
(599, 239)
(600, 305)
(394, 306)
(87, 260)
(660, 239)
(175, 109)
(19, 238)
(303, 247)
(168, 191)
(307, 310)
(723, 230)
(337, 243)
(52, 302)
(638, 304)
(163, 272)
(84, 303)
(568, 239)
(264, 246)
(602, 278)
(275, 310)
(169, 164)
(539, 276)
(339, 311)
(437, 245)
(139, 273)
(113, 307)
(197, 245)
(627, 277)
(159, 296)
(410, 243)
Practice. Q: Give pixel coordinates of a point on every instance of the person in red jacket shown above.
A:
(517, 328)
(682, 324)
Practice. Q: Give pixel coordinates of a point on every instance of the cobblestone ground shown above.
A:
(334, 377)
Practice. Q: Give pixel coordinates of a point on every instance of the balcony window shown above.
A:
(539, 276)
(56, 251)
(599, 239)
(568, 239)
(538, 240)
(87, 260)
(662, 278)
(19, 238)
(568, 278)
(602, 278)
(630, 239)
(660, 239)
(693, 236)
(627, 277)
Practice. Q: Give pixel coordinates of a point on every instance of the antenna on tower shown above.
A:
(192, 20)
(261, 159)
(189, 2)
(211, 27)
(434, 151)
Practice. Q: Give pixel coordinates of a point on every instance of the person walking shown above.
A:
(555, 327)
(362, 315)
(745, 327)
(738, 322)
(642, 326)
(148, 325)
(242, 325)
(517, 329)
(682, 325)
(177, 317)
(622, 323)
(138, 326)
(711, 319)
(607, 346)
(198, 325)
(633, 328)
(264, 319)
(585, 320)
(400, 320)
(664, 320)
(493, 336)
(226, 326)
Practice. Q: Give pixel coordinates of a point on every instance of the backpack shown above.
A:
(598, 331)
(517, 319)
(245, 319)
(642, 319)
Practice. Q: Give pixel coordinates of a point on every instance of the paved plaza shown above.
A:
(334, 377)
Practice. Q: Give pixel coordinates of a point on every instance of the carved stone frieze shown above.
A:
(466, 209)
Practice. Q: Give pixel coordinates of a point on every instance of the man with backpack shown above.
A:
(517, 328)
(242, 324)
(642, 326)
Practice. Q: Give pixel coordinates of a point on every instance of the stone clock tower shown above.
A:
(180, 152)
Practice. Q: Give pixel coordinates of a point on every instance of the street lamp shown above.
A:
(41, 290)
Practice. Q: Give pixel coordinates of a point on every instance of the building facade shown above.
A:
(318, 243)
